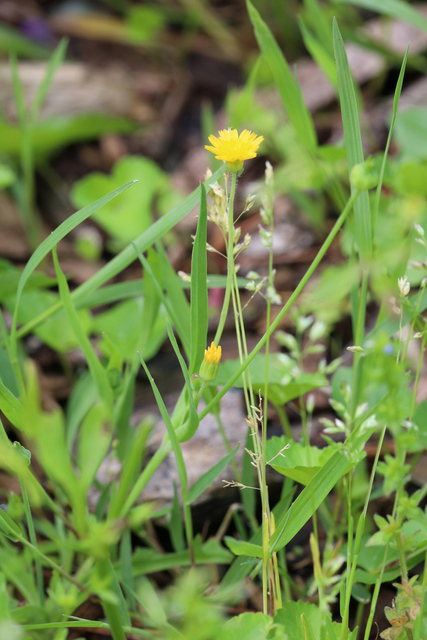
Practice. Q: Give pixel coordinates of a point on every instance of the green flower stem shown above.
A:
(401, 552)
(164, 450)
(33, 539)
(322, 251)
(230, 261)
(418, 374)
(358, 539)
(111, 610)
(375, 595)
(358, 339)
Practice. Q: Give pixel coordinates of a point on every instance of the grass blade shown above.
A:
(55, 61)
(46, 247)
(207, 478)
(199, 290)
(309, 500)
(97, 370)
(387, 147)
(287, 85)
(394, 9)
(353, 142)
(127, 255)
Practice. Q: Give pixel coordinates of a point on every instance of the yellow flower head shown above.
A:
(213, 354)
(209, 367)
(233, 148)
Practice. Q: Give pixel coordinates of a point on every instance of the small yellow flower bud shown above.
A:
(209, 367)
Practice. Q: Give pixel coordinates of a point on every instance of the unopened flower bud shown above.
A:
(209, 367)
(363, 176)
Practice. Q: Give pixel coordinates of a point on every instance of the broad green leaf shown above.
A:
(285, 381)
(299, 462)
(248, 626)
(57, 331)
(199, 291)
(353, 142)
(286, 83)
(411, 132)
(131, 215)
(123, 323)
(207, 478)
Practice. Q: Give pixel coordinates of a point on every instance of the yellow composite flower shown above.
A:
(233, 148)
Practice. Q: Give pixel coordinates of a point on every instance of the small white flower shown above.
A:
(404, 286)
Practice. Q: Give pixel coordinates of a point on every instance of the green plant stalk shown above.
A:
(110, 609)
(322, 251)
(375, 597)
(358, 339)
(401, 552)
(33, 539)
(358, 541)
(413, 322)
(165, 449)
(179, 458)
(230, 261)
(418, 374)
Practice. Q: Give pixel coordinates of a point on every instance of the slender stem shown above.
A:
(358, 339)
(110, 608)
(322, 251)
(162, 452)
(230, 261)
(33, 539)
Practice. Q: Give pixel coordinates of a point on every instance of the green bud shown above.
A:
(363, 176)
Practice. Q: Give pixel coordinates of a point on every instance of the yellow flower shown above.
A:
(233, 148)
(210, 364)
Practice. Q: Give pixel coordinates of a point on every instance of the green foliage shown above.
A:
(74, 531)
(132, 215)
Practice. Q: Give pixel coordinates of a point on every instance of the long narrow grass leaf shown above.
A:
(207, 478)
(97, 370)
(396, 99)
(287, 85)
(353, 142)
(127, 255)
(50, 242)
(199, 290)
(393, 8)
(56, 59)
(310, 499)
